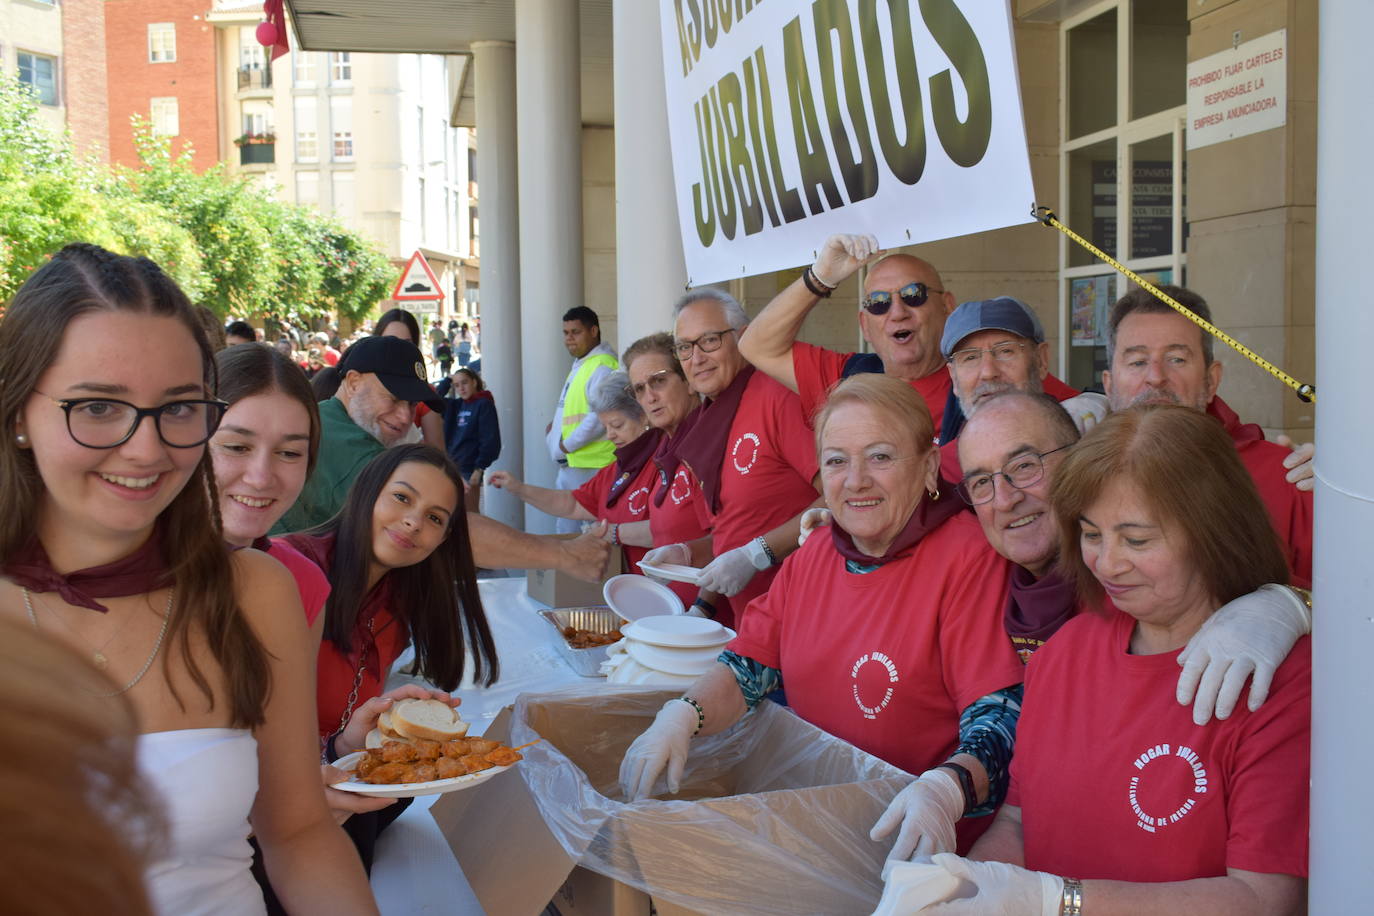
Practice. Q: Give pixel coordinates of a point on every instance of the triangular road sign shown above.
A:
(418, 282)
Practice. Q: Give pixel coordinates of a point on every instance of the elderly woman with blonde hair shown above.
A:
(885, 632)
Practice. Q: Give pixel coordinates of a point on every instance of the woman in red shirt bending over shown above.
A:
(1113, 785)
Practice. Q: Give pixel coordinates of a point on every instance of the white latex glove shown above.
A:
(812, 519)
(1087, 409)
(909, 887)
(730, 572)
(668, 555)
(1251, 635)
(841, 256)
(927, 811)
(1300, 463)
(998, 889)
(663, 744)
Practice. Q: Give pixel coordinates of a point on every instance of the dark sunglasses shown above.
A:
(913, 294)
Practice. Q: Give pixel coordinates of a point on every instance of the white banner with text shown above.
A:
(791, 120)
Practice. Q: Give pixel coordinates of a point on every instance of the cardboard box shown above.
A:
(558, 589)
(773, 816)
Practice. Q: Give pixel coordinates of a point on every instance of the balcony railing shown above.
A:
(255, 78)
(257, 153)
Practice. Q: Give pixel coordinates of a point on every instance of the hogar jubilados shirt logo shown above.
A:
(745, 452)
(1167, 782)
(874, 673)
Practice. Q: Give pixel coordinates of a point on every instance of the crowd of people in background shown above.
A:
(1078, 619)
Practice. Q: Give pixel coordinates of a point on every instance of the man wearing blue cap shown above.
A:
(997, 345)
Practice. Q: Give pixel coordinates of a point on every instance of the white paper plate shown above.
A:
(634, 597)
(682, 662)
(672, 572)
(410, 789)
(678, 631)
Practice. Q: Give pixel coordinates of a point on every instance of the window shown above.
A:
(1121, 163)
(341, 127)
(308, 189)
(345, 199)
(40, 74)
(252, 55)
(340, 68)
(165, 115)
(258, 120)
(162, 42)
(307, 67)
(307, 130)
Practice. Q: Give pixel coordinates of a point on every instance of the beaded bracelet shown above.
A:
(615, 534)
(701, 713)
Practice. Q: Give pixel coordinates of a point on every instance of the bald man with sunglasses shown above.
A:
(902, 316)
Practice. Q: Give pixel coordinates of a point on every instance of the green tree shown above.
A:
(227, 242)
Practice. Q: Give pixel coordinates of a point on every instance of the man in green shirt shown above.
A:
(382, 380)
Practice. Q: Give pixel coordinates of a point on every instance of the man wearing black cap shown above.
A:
(382, 380)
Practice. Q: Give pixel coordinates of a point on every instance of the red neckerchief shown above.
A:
(630, 460)
(666, 458)
(142, 571)
(319, 549)
(704, 450)
(929, 515)
(1037, 608)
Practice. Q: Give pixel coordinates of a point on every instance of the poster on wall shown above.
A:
(793, 120)
(1089, 300)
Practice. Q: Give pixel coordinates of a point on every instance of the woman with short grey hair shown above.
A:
(619, 493)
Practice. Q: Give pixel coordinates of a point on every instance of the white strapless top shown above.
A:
(206, 779)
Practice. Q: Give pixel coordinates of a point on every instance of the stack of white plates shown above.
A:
(673, 650)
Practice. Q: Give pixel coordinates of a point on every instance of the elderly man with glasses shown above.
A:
(749, 450)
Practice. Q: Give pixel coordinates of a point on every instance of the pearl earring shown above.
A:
(21, 439)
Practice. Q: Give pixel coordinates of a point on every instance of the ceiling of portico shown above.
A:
(450, 27)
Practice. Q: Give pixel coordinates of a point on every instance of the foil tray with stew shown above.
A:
(582, 635)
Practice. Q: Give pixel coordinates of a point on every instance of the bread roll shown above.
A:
(431, 719)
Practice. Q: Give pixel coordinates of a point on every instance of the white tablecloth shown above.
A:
(414, 871)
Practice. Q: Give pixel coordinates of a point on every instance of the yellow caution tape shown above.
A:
(1304, 391)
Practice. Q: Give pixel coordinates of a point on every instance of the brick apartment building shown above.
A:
(160, 65)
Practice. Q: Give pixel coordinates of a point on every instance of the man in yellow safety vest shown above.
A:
(576, 439)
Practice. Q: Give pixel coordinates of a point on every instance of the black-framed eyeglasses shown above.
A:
(1003, 352)
(915, 295)
(656, 382)
(1021, 472)
(108, 423)
(709, 343)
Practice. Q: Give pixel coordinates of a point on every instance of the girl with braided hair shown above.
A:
(110, 541)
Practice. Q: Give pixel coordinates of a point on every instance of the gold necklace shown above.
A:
(97, 655)
(157, 646)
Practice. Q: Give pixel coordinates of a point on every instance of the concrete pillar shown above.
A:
(494, 72)
(650, 273)
(549, 117)
(1342, 829)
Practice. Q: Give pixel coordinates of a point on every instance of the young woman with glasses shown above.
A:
(110, 542)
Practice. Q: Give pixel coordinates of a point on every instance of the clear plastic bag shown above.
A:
(772, 817)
